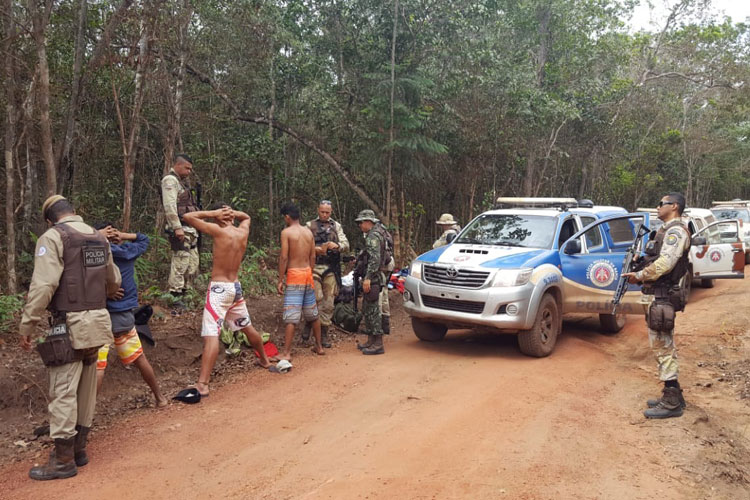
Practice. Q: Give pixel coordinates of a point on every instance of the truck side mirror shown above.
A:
(450, 237)
(572, 247)
(698, 241)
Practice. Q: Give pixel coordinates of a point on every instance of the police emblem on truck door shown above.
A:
(94, 256)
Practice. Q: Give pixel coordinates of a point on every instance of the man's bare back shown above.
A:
(300, 247)
(230, 241)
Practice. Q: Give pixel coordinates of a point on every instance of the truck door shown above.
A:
(591, 262)
(723, 255)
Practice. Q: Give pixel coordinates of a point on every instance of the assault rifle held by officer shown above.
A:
(630, 264)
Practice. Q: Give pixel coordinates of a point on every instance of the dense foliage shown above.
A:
(410, 107)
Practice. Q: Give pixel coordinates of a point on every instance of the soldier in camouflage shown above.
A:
(373, 282)
(664, 273)
(178, 200)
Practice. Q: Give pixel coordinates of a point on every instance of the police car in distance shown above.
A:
(519, 268)
(726, 256)
(736, 209)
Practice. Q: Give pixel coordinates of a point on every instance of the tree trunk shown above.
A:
(70, 123)
(135, 127)
(389, 172)
(40, 18)
(10, 139)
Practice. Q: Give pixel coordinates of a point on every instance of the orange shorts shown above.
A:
(299, 276)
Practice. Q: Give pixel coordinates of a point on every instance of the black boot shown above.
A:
(668, 406)
(653, 403)
(376, 347)
(82, 437)
(386, 321)
(324, 337)
(370, 340)
(178, 306)
(61, 463)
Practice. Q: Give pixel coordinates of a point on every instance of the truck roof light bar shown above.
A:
(561, 203)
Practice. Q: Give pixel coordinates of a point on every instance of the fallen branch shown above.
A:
(33, 382)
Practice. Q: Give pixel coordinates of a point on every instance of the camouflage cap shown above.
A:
(51, 201)
(447, 220)
(366, 215)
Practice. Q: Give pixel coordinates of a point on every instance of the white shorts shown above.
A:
(224, 305)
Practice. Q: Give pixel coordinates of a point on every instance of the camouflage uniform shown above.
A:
(373, 301)
(184, 261)
(326, 287)
(676, 242)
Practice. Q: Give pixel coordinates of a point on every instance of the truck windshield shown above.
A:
(534, 231)
(732, 213)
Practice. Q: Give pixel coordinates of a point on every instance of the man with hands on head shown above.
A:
(126, 248)
(225, 304)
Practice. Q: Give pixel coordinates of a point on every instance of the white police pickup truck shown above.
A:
(518, 268)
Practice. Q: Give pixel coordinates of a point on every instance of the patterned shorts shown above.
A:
(299, 298)
(224, 305)
(128, 348)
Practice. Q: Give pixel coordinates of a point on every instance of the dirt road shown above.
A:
(467, 418)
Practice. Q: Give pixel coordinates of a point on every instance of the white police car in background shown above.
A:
(739, 210)
(519, 268)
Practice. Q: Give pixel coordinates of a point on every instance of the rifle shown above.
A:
(360, 269)
(628, 265)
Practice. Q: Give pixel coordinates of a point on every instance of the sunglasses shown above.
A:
(325, 202)
(662, 203)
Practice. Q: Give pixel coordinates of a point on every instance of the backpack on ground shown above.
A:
(346, 317)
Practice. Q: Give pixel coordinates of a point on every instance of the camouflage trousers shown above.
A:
(662, 345)
(184, 262)
(375, 305)
(385, 305)
(326, 290)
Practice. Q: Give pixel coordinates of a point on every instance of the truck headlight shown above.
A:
(415, 270)
(512, 277)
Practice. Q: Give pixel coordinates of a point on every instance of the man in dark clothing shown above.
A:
(126, 248)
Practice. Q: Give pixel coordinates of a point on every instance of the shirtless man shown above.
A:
(296, 263)
(224, 301)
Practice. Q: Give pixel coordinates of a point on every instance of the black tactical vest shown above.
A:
(83, 284)
(324, 231)
(185, 201)
(653, 249)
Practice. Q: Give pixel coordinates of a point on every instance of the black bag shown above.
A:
(346, 317)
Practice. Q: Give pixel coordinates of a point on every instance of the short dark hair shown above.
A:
(218, 205)
(291, 210)
(679, 200)
(102, 225)
(182, 157)
(57, 210)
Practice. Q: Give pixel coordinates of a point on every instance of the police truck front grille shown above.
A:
(466, 306)
(464, 278)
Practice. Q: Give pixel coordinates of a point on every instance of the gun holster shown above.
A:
(57, 349)
(176, 244)
(661, 315)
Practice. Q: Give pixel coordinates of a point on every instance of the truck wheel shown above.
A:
(612, 323)
(430, 332)
(540, 340)
(707, 283)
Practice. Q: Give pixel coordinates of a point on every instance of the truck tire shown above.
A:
(612, 323)
(427, 331)
(540, 340)
(707, 283)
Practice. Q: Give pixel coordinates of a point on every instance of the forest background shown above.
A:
(411, 108)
